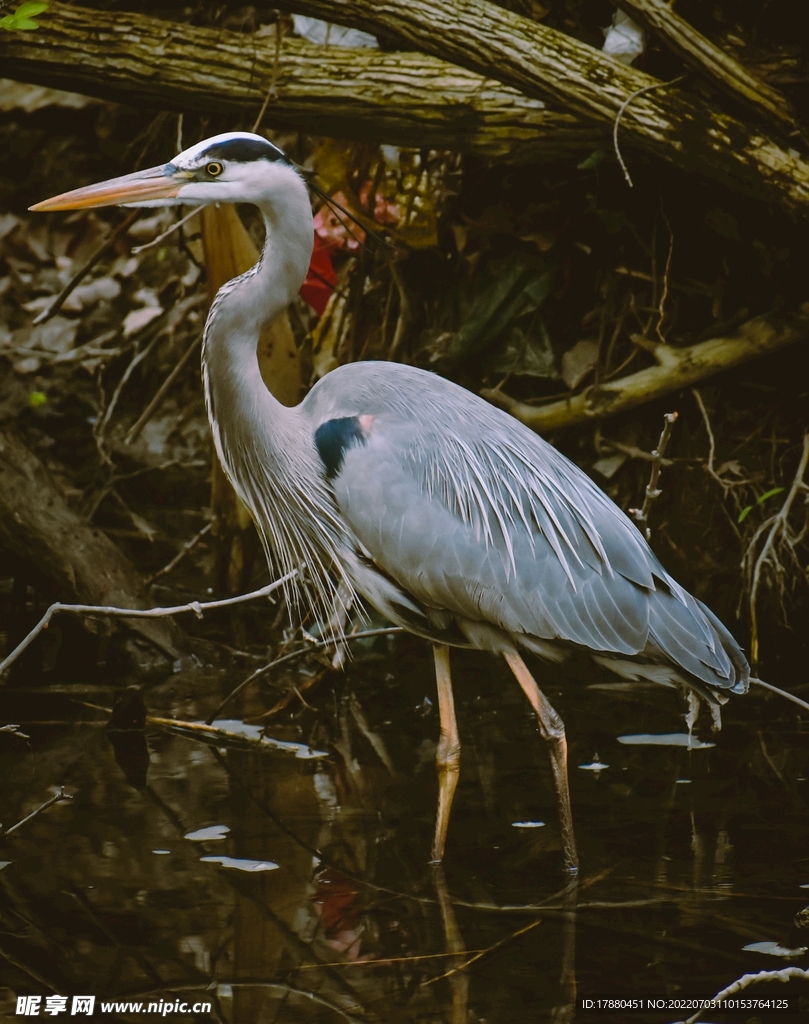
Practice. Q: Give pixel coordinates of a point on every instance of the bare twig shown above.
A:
(197, 607)
(711, 441)
(272, 91)
(620, 114)
(162, 391)
(291, 657)
(165, 324)
(483, 952)
(779, 534)
(780, 692)
(632, 451)
(61, 795)
(405, 311)
(184, 550)
(167, 233)
(676, 368)
(751, 979)
(661, 309)
(137, 358)
(79, 276)
(641, 515)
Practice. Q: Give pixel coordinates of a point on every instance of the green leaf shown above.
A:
(22, 20)
(37, 398)
(745, 512)
(592, 161)
(30, 10)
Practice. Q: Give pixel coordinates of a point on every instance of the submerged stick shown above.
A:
(61, 795)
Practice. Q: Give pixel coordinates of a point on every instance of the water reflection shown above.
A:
(288, 888)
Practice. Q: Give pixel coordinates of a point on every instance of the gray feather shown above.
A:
(474, 515)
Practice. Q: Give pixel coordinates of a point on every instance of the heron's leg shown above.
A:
(552, 729)
(448, 754)
(458, 980)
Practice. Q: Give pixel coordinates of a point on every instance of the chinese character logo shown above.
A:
(55, 1005)
(28, 1006)
(83, 1004)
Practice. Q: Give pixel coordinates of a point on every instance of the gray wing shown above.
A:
(472, 513)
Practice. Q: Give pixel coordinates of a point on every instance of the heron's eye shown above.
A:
(214, 169)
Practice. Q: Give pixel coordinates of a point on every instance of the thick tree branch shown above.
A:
(402, 98)
(675, 125)
(38, 525)
(676, 368)
(719, 67)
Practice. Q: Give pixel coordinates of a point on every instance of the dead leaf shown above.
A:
(578, 361)
(29, 365)
(8, 222)
(609, 465)
(30, 98)
(57, 335)
(140, 318)
(94, 291)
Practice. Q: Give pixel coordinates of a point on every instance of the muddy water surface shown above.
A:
(294, 885)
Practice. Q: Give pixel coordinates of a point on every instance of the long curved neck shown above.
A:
(247, 304)
(265, 448)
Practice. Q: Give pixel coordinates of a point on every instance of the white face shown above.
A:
(233, 167)
(230, 168)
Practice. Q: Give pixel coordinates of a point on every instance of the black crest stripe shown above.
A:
(243, 151)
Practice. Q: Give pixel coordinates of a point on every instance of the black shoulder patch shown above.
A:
(244, 151)
(333, 439)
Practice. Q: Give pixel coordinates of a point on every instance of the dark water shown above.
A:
(687, 855)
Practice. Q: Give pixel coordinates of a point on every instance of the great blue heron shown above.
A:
(389, 482)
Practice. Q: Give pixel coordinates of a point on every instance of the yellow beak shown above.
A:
(139, 187)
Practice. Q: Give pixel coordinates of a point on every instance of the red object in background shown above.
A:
(321, 280)
(336, 902)
(333, 232)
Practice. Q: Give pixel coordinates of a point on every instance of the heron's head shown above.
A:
(237, 167)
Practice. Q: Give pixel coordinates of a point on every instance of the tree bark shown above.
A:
(82, 563)
(405, 99)
(676, 368)
(719, 67)
(672, 124)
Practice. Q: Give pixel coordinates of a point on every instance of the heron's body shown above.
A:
(448, 515)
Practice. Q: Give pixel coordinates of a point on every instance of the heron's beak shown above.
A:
(162, 182)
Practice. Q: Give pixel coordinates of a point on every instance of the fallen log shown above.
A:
(719, 67)
(675, 368)
(670, 123)
(406, 99)
(79, 560)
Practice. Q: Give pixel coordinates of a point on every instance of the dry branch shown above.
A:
(779, 539)
(402, 98)
(653, 492)
(719, 67)
(783, 975)
(676, 368)
(38, 525)
(540, 61)
(136, 612)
